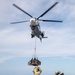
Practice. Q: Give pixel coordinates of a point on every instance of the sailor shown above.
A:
(37, 70)
(59, 73)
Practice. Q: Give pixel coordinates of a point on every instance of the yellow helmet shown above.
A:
(37, 70)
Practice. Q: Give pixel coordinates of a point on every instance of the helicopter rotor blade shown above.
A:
(50, 20)
(47, 10)
(19, 22)
(22, 10)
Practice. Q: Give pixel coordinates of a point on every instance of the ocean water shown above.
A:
(19, 66)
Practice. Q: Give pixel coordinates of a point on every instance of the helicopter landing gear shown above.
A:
(42, 34)
(32, 35)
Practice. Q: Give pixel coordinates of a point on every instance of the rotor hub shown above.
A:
(34, 21)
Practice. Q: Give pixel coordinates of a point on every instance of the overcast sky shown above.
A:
(15, 39)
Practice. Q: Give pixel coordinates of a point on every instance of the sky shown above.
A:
(17, 47)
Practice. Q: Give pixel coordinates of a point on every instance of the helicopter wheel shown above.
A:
(32, 36)
(42, 35)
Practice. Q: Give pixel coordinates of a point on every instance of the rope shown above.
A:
(34, 52)
(35, 48)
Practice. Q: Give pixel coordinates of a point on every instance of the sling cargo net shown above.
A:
(34, 62)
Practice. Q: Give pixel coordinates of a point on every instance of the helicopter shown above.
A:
(34, 22)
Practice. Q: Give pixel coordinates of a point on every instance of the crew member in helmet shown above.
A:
(37, 70)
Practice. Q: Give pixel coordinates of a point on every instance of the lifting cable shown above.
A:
(35, 48)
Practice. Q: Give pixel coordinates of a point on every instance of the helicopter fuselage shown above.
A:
(35, 29)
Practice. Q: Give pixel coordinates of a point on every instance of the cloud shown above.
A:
(5, 31)
(59, 42)
(11, 37)
(16, 38)
(3, 59)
